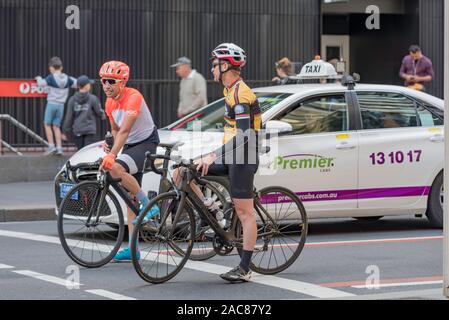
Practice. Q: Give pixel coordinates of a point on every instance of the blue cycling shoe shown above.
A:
(124, 255)
(154, 211)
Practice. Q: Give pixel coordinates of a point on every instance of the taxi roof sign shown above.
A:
(318, 69)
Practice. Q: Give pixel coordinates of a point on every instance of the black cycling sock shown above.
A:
(246, 259)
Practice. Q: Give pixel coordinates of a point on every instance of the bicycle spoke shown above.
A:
(282, 249)
(96, 238)
(287, 245)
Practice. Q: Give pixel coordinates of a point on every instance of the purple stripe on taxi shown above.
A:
(336, 195)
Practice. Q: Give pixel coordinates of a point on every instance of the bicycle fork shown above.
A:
(98, 205)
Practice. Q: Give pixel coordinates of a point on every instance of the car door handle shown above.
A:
(437, 138)
(345, 145)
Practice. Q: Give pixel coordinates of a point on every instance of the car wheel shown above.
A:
(369, 218)
(435, 203)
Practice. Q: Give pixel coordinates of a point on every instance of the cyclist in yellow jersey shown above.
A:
(238, 156)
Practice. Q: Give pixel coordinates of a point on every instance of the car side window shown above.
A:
(385, 110)
(430, 116)
(319, 114)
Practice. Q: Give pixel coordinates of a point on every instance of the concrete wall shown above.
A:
(30, 168)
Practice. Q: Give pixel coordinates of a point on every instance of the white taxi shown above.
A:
(352, 150)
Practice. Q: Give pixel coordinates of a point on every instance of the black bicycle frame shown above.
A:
(190, 195)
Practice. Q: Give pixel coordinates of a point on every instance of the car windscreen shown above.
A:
(211, 117)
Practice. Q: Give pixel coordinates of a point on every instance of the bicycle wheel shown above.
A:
(91, 243)
(216, 188)
(163, 252)
(281, 230)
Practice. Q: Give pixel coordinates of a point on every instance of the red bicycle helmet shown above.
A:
(115, 70)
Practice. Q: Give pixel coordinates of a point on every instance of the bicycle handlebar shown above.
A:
(92, 165)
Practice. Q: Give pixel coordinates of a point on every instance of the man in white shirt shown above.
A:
(193, 90)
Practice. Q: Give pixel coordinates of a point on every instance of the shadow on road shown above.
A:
(350, 225)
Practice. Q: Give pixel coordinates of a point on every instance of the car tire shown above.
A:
(375, 218)
(434, 211)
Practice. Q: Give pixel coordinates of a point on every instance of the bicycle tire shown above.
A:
(74, 207)
(166, 202)
(274, 222)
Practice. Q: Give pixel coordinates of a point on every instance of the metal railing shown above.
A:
(20, 126)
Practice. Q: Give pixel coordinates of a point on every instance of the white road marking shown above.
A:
(5, 266)
(29, 236)
(66, 283)
(300, 287)
(44, 277)
(109, 294)
(273, 281)
(399, 284)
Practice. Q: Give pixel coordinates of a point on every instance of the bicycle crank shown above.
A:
(220, 247)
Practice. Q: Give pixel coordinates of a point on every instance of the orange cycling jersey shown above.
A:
(131, 102)
(241, 103)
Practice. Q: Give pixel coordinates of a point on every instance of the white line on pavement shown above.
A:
(273, 281)
(5, 266)
(66, 283)
(399, 284)
(44, 277)
(109, 294)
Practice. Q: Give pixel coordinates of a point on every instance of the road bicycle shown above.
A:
(281, 233)
(87, 233)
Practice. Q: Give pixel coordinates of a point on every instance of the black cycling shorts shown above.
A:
(132, 157)
(241, 178)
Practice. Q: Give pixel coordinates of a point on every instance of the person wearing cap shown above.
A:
(416, 69)
(193, 89)
(83, 110)
(58, 84)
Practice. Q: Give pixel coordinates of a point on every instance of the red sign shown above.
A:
(21, 89)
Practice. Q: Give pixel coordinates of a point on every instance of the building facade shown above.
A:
(151, 34)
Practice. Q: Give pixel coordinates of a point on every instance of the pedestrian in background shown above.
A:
(416, 69)
(193, 89)
(284, 70)
(83, 110)
(59, 84)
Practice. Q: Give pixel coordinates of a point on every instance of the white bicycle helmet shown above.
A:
(230, 52)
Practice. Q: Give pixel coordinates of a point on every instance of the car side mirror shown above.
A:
(280, 126)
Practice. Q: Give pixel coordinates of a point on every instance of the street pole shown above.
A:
(446, 154)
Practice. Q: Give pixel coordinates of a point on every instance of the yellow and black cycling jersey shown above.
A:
(241, 104)
(242, 125)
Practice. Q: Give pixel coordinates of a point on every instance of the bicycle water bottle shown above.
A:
(109, 139)
(213, 208)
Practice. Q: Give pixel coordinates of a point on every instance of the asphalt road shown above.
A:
(403, 253)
